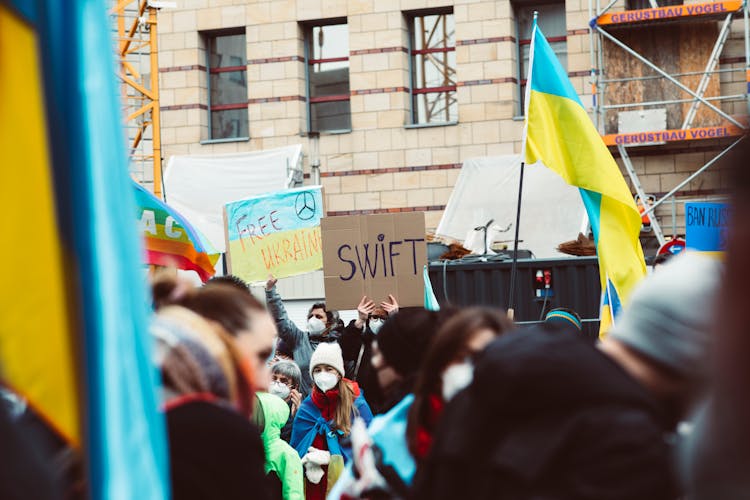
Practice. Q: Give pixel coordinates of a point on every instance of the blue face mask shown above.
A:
(376, 324)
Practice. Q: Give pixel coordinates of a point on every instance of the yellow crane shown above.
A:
(138, 70)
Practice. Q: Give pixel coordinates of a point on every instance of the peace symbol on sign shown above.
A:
(304, 205)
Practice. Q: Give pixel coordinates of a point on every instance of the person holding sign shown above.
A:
(356, 345)
(322, 327)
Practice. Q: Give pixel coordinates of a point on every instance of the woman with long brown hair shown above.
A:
(447, 369)
(239, 320)
(325, 417)
(214, 449)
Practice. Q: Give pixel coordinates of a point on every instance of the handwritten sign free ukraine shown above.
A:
(276, 233)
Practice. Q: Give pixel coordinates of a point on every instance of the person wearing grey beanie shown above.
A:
(663, 338)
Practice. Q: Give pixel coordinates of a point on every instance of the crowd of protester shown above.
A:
(458, 403)
(410, 403)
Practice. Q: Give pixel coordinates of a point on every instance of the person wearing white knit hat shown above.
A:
(327, 358)
(336, 401)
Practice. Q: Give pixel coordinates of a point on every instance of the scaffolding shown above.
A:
(135, 27)
(688, 103)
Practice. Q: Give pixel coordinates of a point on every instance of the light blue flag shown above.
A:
(125, 433)
(430, 301)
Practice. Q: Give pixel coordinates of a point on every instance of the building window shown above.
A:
(433, 67)
(551, 21)
(227, 86)
(646, 4)
(327, 55)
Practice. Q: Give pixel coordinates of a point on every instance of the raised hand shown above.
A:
(390, 305)
(296, 398)
(271, 282)
(364, 309)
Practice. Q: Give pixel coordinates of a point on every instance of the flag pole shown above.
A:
(527, 94)
(513, 268)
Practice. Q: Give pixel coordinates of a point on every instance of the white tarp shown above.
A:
(198, 186)
(487, 188)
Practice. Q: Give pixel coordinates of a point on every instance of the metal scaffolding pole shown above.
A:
(639, 190)
(713, 60)
(691, 177)
(137, 52)
(697, 97)
(667, 76)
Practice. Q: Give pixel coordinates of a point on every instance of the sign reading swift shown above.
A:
(374, 255)
(277, 233)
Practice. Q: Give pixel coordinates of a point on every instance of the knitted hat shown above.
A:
(670, 315)
(328, 353)
(404, 338)
(564, 317)
(187, 366)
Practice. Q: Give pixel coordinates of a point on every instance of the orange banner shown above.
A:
(693, 134)
(673, 11)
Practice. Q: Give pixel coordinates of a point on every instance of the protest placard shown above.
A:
(276, 233)
(374, 255)
(706, 226)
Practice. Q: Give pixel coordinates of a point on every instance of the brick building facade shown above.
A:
(415, 106)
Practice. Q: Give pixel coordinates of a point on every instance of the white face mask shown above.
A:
(376, 325)
(456, 378)
(325, 380)
(279, 389)
(315, 326)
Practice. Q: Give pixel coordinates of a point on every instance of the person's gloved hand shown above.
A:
(313, 461)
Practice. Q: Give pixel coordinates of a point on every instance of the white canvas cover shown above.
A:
(198, 186)
(487, 188)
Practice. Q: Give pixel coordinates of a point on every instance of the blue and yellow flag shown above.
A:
(560, 134)
(73, 332)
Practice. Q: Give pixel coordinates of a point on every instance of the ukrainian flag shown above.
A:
(73, 337)
(560, 134)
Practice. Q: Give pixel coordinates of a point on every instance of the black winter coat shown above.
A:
(214, 452)
(549, 416)
(354, 341)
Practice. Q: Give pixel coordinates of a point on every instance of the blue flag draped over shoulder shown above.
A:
(560, 134)
(77, 346)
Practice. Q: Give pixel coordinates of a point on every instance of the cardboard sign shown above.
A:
(706, 226)
(277, 233)
(374, 255)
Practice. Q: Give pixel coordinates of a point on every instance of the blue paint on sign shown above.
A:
(706, 226)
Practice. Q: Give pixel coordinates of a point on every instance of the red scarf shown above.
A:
(425, 431)
(325, 401)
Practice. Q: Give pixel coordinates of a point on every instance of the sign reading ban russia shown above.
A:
(276, 233)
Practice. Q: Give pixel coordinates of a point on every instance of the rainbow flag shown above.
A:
(170, 240)
(560, 134)
(73, 333)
